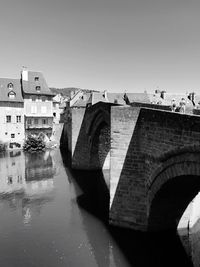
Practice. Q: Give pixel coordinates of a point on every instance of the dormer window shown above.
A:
(36, 79)
(38, 88)
(11, 95)
(10, 86)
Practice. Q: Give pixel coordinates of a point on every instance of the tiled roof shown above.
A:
(168, 98)
(82, 101)
(174, 98)
(133, 97)
(12, 94)
(139, 97)
(99, 97)
(29, 87)
(117, 98)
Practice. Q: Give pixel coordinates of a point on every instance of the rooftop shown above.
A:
(34, 83)
(10, 90)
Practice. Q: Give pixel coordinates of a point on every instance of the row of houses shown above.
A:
(27, 106)
(188, 103)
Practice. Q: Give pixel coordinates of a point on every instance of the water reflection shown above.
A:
(26, 181)
(194, 238)
(51, 216)
(190, 239)
(92, 197)
(112, 246)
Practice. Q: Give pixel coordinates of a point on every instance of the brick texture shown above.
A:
(148, 148)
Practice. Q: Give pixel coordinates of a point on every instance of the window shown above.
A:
(11, 95)
(8, 118)
(43, 98)
(44, 121)
(18, 118)
(10, 180)
(35, 121)
(33, 97)
(38, 88)
(36, 79)
(54, 114)
(29, 121)
(12, 135)
(43, 109)
(34, 109)
(10, 86)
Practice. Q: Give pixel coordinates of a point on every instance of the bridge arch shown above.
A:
(173, 186)
(99, 139)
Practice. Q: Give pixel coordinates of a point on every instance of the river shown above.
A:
(51, 216)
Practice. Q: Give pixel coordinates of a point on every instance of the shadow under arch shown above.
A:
(100, 115)
(98, 132)
(173, 187)
(100, 147)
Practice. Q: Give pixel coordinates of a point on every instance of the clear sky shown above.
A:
(118, 45)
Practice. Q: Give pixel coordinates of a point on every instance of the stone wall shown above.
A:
(126, 183)
(100, 148)
(66, 137)
(80, 141)
(145, 143)
(90, 138)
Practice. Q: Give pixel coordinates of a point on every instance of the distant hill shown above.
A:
(67, 91)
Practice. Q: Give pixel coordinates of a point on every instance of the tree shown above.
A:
(34, 144)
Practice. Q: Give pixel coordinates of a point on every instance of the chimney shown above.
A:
(162, 94)
(24, 73)
(105, 95)
(191, 97)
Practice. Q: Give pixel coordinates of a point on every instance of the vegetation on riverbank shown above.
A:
(33, 144)
(2, 146)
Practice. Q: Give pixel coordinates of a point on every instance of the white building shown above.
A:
(38, 103)
(11, 113)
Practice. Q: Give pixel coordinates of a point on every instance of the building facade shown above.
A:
(12, 131)
(38, 103)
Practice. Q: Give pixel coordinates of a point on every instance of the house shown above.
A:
(56, 108)
(12, 113)
(38, 103)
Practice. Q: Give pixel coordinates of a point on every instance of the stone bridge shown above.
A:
(153, 157)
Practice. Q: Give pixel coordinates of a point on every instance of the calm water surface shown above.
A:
(50, 216)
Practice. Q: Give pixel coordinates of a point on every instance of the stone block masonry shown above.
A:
(149, 151)
(144, 142)
(90, 137)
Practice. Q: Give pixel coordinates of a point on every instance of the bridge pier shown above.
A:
(144, 150)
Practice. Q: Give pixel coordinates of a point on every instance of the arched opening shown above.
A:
(171, 200)
(10, 85)
(100, 147)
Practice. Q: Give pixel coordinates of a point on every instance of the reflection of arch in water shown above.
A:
(172, 188)
(92, 197)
